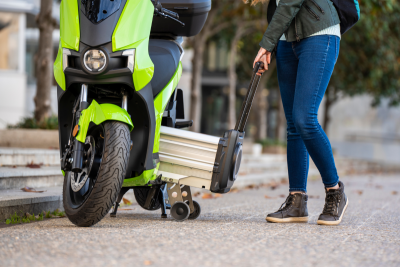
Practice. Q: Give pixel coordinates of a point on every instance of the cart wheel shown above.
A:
(180, 211)
(196, 212)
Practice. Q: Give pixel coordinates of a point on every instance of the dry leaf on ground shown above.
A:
(284, 181)
(196, 194)
(125, 209)
(360, 192)
(126, 201)
(234, 190)
(33, 165)
(282, 195)
(217, 195)
(394, 192)
(31, 190)
(268, 197)
(378, 187)
(147, 263)
(207, 196)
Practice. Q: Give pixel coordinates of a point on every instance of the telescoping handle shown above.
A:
(248, 100)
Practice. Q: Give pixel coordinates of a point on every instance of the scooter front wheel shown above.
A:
(89, 195)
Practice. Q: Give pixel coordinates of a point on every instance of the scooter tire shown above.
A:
(141, 197)
(109, 179)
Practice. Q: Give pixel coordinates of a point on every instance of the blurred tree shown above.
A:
(369, 60)
(44, 60)
(215, 23)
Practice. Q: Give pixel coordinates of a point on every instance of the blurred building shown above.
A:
(18, 45)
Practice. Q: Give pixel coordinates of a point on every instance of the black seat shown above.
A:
(165, 56)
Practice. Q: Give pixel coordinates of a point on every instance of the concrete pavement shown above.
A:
(231, 231)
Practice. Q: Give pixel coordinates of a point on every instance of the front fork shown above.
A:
(77, 162)
(78, 146)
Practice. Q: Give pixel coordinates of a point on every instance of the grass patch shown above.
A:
(50, 123)
(268, 142)
(28, 218)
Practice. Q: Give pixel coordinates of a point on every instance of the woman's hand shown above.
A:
(265, 57)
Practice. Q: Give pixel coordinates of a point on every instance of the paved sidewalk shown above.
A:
(230, 232)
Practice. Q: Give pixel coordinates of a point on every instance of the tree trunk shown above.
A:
(330, 98)
(262, 105)
(198, 43)
(281, 120)
(262, 109)
(196, 95)
(44, 60)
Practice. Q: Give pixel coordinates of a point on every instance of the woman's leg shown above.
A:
(317, 58)
(297, 155)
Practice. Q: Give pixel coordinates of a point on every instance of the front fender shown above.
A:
(98, 114)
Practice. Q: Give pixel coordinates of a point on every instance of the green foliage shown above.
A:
(369, 60)
(50, 123)
(27, 218)
(268, 142)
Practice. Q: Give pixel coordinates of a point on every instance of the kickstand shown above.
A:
(120, 196)
(162, 200)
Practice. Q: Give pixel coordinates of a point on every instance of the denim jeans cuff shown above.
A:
(331, 185)
(298, 189)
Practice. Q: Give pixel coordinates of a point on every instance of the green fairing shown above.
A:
(133, 31)
(99, 113)
(142, 179)
(63, 172)
(69, 25)
(58, 69)
(69, 36)
(160, 103)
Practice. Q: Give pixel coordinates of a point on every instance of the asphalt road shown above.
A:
(231, 231)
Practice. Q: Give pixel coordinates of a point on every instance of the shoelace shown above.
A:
(288, 202)
(331, 203)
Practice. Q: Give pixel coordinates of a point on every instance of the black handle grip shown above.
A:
(248, 100)
(171, 13)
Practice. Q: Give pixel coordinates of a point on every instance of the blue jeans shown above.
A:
(304, 70)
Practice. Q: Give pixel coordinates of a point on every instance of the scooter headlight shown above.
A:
(95, 60)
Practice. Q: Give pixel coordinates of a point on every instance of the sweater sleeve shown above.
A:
(281, 20)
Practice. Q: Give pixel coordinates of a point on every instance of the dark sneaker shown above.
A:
(335, 206)
(294, 209)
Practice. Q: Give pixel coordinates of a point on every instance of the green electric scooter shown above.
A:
(117, 70)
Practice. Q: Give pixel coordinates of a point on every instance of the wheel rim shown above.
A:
(80, 185)
(180, 211)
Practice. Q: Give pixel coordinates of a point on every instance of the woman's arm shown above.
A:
(281, 20)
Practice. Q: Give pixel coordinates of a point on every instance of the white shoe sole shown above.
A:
(322, 222)
(287, 220)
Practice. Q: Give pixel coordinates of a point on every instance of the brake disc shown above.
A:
(78, 180)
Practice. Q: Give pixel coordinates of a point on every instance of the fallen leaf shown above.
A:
(126, 201)
(394, 192)
(207, 196)
(268, 197)
(378, 187)
(31, 190)
(125, 209)
(234, 190)
(360, 192)
(33, 165)
(282, 195)
(284, 181)
(251, 186)
(196, 194)
(217, 195)
(14, 167)
(148, 263)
